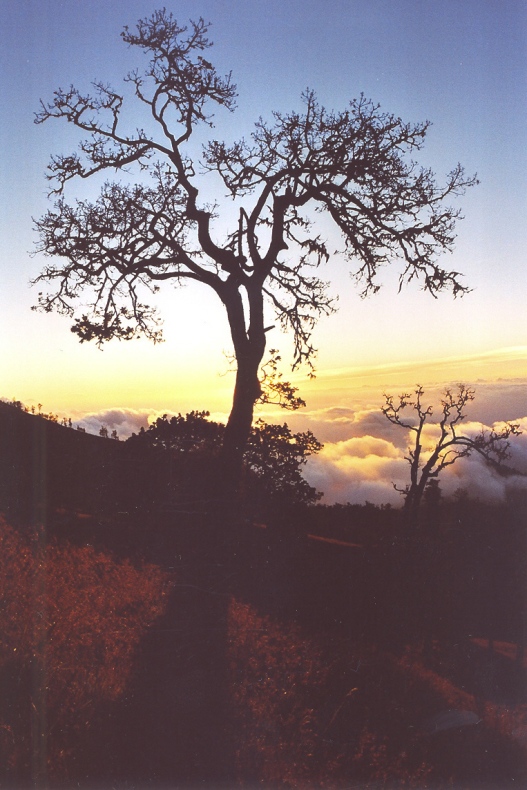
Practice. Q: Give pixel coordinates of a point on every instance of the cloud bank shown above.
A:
(366, 467)
(124, 421)
(364, 454)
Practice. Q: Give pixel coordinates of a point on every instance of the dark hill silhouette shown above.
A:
(45, 466)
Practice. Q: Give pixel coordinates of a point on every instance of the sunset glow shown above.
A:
(459, 66)
(263, 394)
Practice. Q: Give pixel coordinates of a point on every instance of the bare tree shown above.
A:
(427, 462)
(354, 165)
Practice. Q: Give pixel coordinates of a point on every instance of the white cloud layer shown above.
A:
(124, 421)
(364, 454)
(365, 468)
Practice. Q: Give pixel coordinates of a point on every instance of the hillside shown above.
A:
(45, 465)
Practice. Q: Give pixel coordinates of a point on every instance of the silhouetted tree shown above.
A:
(353, 164)
(273, 456)
(429, 456)
(182, 434)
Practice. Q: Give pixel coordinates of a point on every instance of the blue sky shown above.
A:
(462, 65)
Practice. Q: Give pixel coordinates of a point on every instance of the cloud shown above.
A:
(357, 470)
(504, 399)
(363, 454)
(124, 421)
(518, 448)
(357, 482)
(366, 468)
(341, 423)
(361, 447)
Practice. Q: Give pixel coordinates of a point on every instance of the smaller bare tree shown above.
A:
(427, 463)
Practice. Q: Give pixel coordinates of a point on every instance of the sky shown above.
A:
(461, 65)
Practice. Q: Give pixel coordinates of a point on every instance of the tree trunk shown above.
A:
(249, 348)
(414, 496)
(247, 390)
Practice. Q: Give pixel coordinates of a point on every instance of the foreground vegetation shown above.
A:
(125, 673)
(301, 646)
(71, 621)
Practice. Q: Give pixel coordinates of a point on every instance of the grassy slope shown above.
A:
(264, 663)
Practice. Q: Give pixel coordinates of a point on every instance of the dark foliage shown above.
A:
(273, 458)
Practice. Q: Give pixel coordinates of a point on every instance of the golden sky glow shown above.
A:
(333, 385)
(462, 65)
